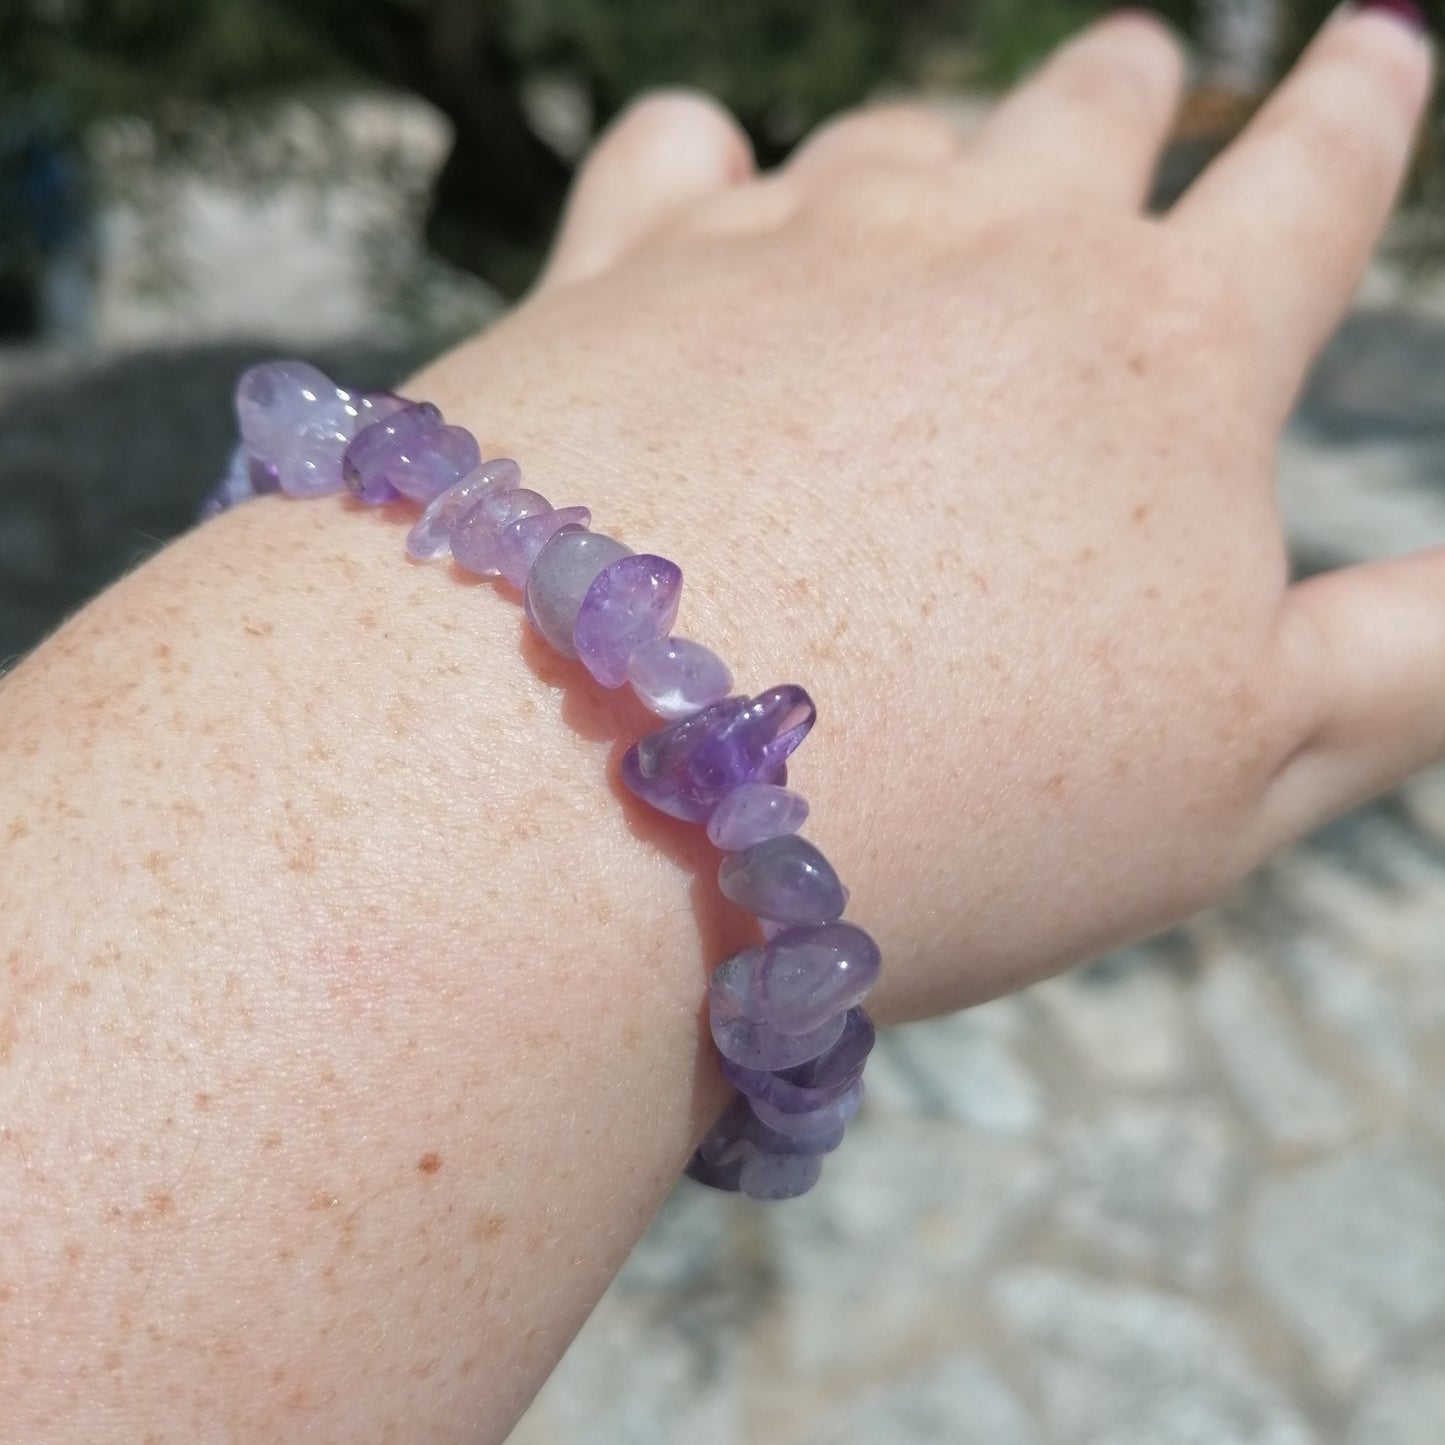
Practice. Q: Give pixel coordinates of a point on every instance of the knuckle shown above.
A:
(663, 117)
(1130, 68)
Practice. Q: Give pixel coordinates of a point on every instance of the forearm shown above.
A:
(353, 1011)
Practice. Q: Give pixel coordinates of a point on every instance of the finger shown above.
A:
(894, 136)
(1367, 644)
(1093, 120)
(1293, 208)
(665, 152)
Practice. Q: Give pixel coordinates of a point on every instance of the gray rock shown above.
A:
(1128, 1024)
(1147, 1185)
(1121, 1366)
(951, 1401)
(963, 1066)
(1402, 1408)
(632, 1378)
(881, 1260)
(1263, 1053)
(1351, 1253)
(1357, 1001)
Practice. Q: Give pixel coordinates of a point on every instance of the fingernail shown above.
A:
(1404, 10)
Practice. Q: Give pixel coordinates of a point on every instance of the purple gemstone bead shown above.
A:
(676, 678)
(726, 1141)
(808, 1087)
(519, 542)
(778, 1176)
(760, 1136)
(246, 477)
(383, 447)
(475, 537)
(565, 568)
(432, 534)
(655, 767)
(298, 420)
(764, 734)
(733, 999)
(815, 1121)
(632, 601)
(727, 1177)
(754, 812)
(374, 406)
(738, 1131)
(784, 878)
(448, 455)
(807, 975)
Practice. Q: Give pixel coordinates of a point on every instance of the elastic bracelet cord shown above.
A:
(786, 1015)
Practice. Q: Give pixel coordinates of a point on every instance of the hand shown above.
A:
(954, 434)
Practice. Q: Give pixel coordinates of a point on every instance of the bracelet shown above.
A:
(785, 1015)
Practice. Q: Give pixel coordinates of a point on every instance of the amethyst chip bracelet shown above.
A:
(785, 1015)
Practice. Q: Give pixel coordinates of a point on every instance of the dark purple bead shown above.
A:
(808, 974)
(727, 1177)
(759, 737)
(784, 878)
(384, 447)
(631, 601)
(725, 1142)
(653, 767)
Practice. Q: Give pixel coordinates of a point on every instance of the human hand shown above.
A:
(955, 435)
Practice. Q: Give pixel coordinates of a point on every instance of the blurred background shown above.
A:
(1193, 1194)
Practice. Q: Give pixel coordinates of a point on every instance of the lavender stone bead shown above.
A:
(778, 1176)
(748, 1043)
(810, 1086)
(755, 812)
(676, 678)
(727, 1177)
(816, 1121)
(760, 1136)
(785, 878)
(432, 534)
(565, 568)
(631, 601)
(807, 975)
(477, 535)
(247, 476)
(654, 767)
(726, 1141)
(766, 732)
(738, 1130)
(519, 542)
(377, 449)
(298, 420)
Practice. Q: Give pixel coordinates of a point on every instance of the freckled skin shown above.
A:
(449, 1031)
